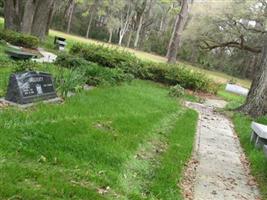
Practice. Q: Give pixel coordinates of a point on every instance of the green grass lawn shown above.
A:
(129, 142)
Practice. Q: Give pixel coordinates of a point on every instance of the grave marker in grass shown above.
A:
(29, 87)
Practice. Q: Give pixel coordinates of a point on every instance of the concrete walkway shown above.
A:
(221, 173)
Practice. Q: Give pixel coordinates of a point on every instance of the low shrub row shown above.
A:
(93, 73)
(159, 72)
(19, 39)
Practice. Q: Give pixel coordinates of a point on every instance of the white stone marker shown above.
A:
(259, 134)
(237, 89)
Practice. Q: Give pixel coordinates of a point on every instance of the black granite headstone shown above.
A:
(28, 87)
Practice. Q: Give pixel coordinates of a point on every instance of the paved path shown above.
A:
(220, 174)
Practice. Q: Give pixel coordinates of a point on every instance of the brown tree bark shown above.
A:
(42, 18)
(256, 103)
(179, 27)
(29, 16)
(11, 14)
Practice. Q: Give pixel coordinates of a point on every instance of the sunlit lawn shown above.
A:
(124, 142)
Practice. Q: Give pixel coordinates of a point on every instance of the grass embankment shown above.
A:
(129, 141)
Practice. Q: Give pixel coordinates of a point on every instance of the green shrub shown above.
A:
(69, 61)
(177, 91)
(159, 72)
(69, 81)
(19, 39)
(97, 75)
(94, 73)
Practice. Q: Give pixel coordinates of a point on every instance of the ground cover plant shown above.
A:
(214, 75)
(159, 72)
(93, 145)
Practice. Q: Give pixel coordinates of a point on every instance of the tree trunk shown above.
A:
(138, 31)
(27, 19)
(70, 14)
(120, 37)
(129, 38)
(178, 32)
(41, 18)
(172, 36)
(29, 16)
(89, 25)
(256, 103)
(110, 35)
(11, 14)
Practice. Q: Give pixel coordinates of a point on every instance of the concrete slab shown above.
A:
(237, 89)
(221, 174)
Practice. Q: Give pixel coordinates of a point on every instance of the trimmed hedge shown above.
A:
(159, 72)
(19, 39)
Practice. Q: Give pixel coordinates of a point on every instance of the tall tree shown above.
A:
(140, 11)
(179, 27)
(234, 26)
(69, 13)
(125, 20)
(29, 16)
(256, 103)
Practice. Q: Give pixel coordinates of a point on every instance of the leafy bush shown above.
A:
(94, 73)
(97, 75)
(177, 91)
(159, 72)
(69, 81)
(21, 66)
(19, 39)
(69, 61)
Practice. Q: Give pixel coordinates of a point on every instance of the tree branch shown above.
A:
(232, 44)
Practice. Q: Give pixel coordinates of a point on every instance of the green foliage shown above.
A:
(19, 39)
(69, 61)
(69, 81)
(105, 56)
(97, 75)
(177, 91)
(163, 73)
(94, 73)
(22, 66)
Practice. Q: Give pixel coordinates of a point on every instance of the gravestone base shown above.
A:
(10, 103)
